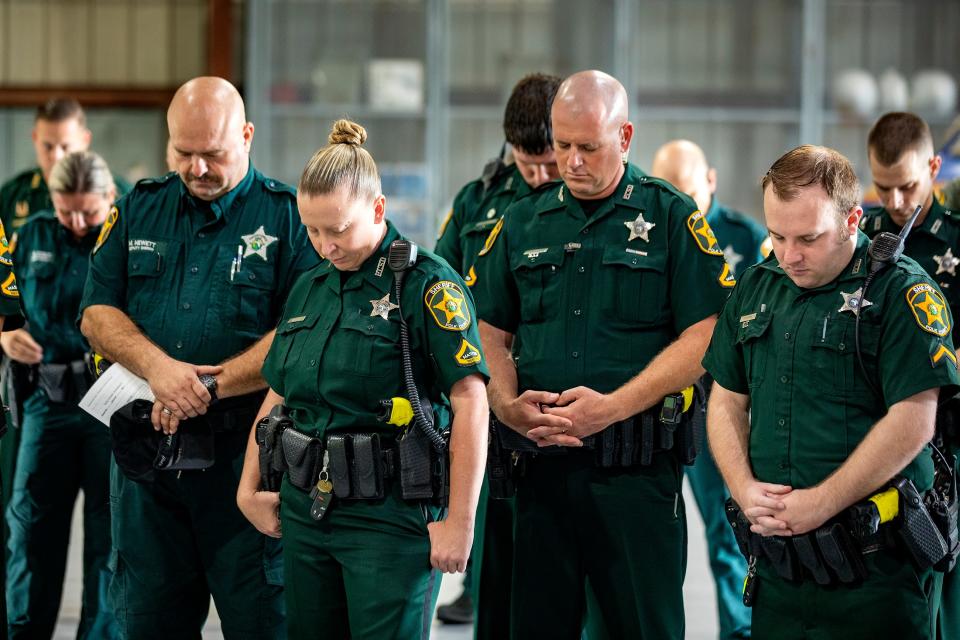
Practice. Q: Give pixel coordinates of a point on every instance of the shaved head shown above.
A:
(684, 165)
(591, 133)
(209, 136)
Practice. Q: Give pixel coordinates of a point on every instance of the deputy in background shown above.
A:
(186, 283)
(373, 327)
(477, 208)
(684, 165)
(828, 361)
(905, 166)
(610, 282)
(63, 450)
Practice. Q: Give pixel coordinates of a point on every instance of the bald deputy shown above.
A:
(610, 281)
(186, 283)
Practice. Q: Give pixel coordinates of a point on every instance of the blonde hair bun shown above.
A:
(347, 132)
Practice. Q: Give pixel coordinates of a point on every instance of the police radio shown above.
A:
(885, 249)
(401, 257)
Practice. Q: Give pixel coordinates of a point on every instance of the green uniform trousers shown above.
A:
(895, 601)
(948, 618)
(726, 563)
(624, 530)
(362, 572)
(491, 576)
(62, 451)
(179, 540)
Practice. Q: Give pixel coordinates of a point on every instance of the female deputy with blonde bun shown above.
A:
(367, 567)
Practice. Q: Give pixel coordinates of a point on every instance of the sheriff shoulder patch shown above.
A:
(9, 287)
(703, 234)
(448, 306)
(726, 278)
(106, 228)
(467, 354)
(491, 238)
(929, 309)
(942, 355)
(5, 248)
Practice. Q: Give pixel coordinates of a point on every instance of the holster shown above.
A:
(424, 472)
(19, 382)
(502, 468)
(64, 383)
(191, 448)
(943, 507)
(269, 432)
(917, 530)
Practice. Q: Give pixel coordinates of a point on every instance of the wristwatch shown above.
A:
(210, 383)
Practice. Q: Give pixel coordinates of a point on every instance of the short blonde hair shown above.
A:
(81, 172)
(342, 163)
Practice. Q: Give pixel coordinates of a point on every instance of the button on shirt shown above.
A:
(203, 280)
(792, 350)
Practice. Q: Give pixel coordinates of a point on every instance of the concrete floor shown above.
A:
(698, 591)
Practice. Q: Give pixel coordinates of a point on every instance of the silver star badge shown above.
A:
(383, 306)
(639, 228)
(947, 263)
(257, 243)
(732, 257)
(852, 302)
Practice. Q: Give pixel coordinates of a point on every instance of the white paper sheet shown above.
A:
(115, 388)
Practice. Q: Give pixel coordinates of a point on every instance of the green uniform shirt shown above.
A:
(337, 350)
(475, 212)
(26, 194)
(51, 270)
(740, 237)
(591, 300)
(793, 351)
(166, 259)
(934, 244)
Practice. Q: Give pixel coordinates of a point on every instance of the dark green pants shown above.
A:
(895, 601)
(492, 572)
(62, 451)
(623, 529)
(948, 619)
(181, 539)
(362, 572)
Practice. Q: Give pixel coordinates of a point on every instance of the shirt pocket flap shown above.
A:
(256, 274)
(538, 257)
(753, 328)
(635, 258)
(145, 264)
(373, 325)
(298, 322)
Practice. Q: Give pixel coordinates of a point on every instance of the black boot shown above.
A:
(460, 611)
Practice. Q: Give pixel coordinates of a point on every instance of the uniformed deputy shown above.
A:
(186, 282)
(476, 209)
(822, 436)
(63, 449)
(611, 282)
(904, 168)
(360, 567)
(11, 318)
(683, 164)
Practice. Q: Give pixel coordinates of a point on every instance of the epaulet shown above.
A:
(548, 196)
(155, 180)
(278, 187)
(650, 181)
(26, 176)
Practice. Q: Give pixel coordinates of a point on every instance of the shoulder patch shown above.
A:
(5, 248)
(467, 354)
(929, 309)
(703, 234)
(107, 228)
(443, 225)
(448, 306)
(9, 287)
(492, 238)
(726, 278)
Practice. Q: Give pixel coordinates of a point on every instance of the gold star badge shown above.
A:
(947, 263)
(853, 303)
(639, 228)
(383, 306)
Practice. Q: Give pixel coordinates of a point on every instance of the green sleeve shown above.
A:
(494, 287)
(724, 357)
(107, 276)
(697, 269)
(447, 323)
(916, 351)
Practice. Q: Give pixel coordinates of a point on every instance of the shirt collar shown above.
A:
(374, 269)
(856, 269)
